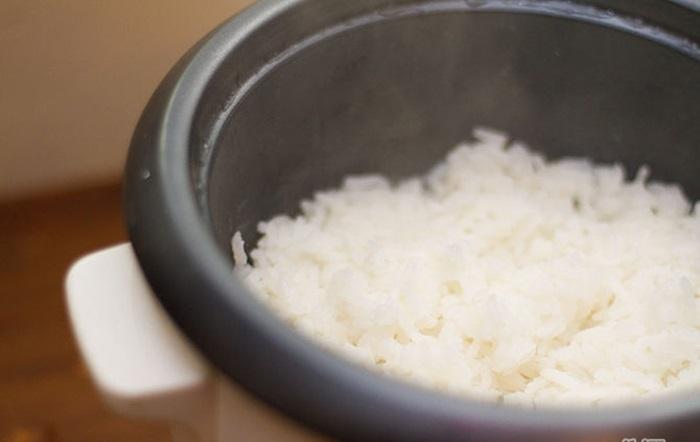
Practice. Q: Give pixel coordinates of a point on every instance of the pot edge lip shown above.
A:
(182, 205)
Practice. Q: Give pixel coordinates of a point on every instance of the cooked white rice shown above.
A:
(498, 275)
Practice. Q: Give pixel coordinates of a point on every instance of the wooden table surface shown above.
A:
(45, 392)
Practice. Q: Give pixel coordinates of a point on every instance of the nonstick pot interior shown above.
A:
(291, 96)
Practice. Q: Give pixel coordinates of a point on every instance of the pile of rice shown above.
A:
(498, 275)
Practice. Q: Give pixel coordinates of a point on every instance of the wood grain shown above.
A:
(45, 392)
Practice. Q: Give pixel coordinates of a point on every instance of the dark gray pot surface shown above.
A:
(291, 95)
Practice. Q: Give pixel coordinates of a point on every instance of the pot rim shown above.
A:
(192, 279)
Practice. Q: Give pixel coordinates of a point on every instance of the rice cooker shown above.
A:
(285, 99)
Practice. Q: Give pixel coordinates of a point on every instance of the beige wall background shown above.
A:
(74, 77)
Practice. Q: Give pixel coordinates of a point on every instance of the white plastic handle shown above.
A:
(144, 366)
(136, 356)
